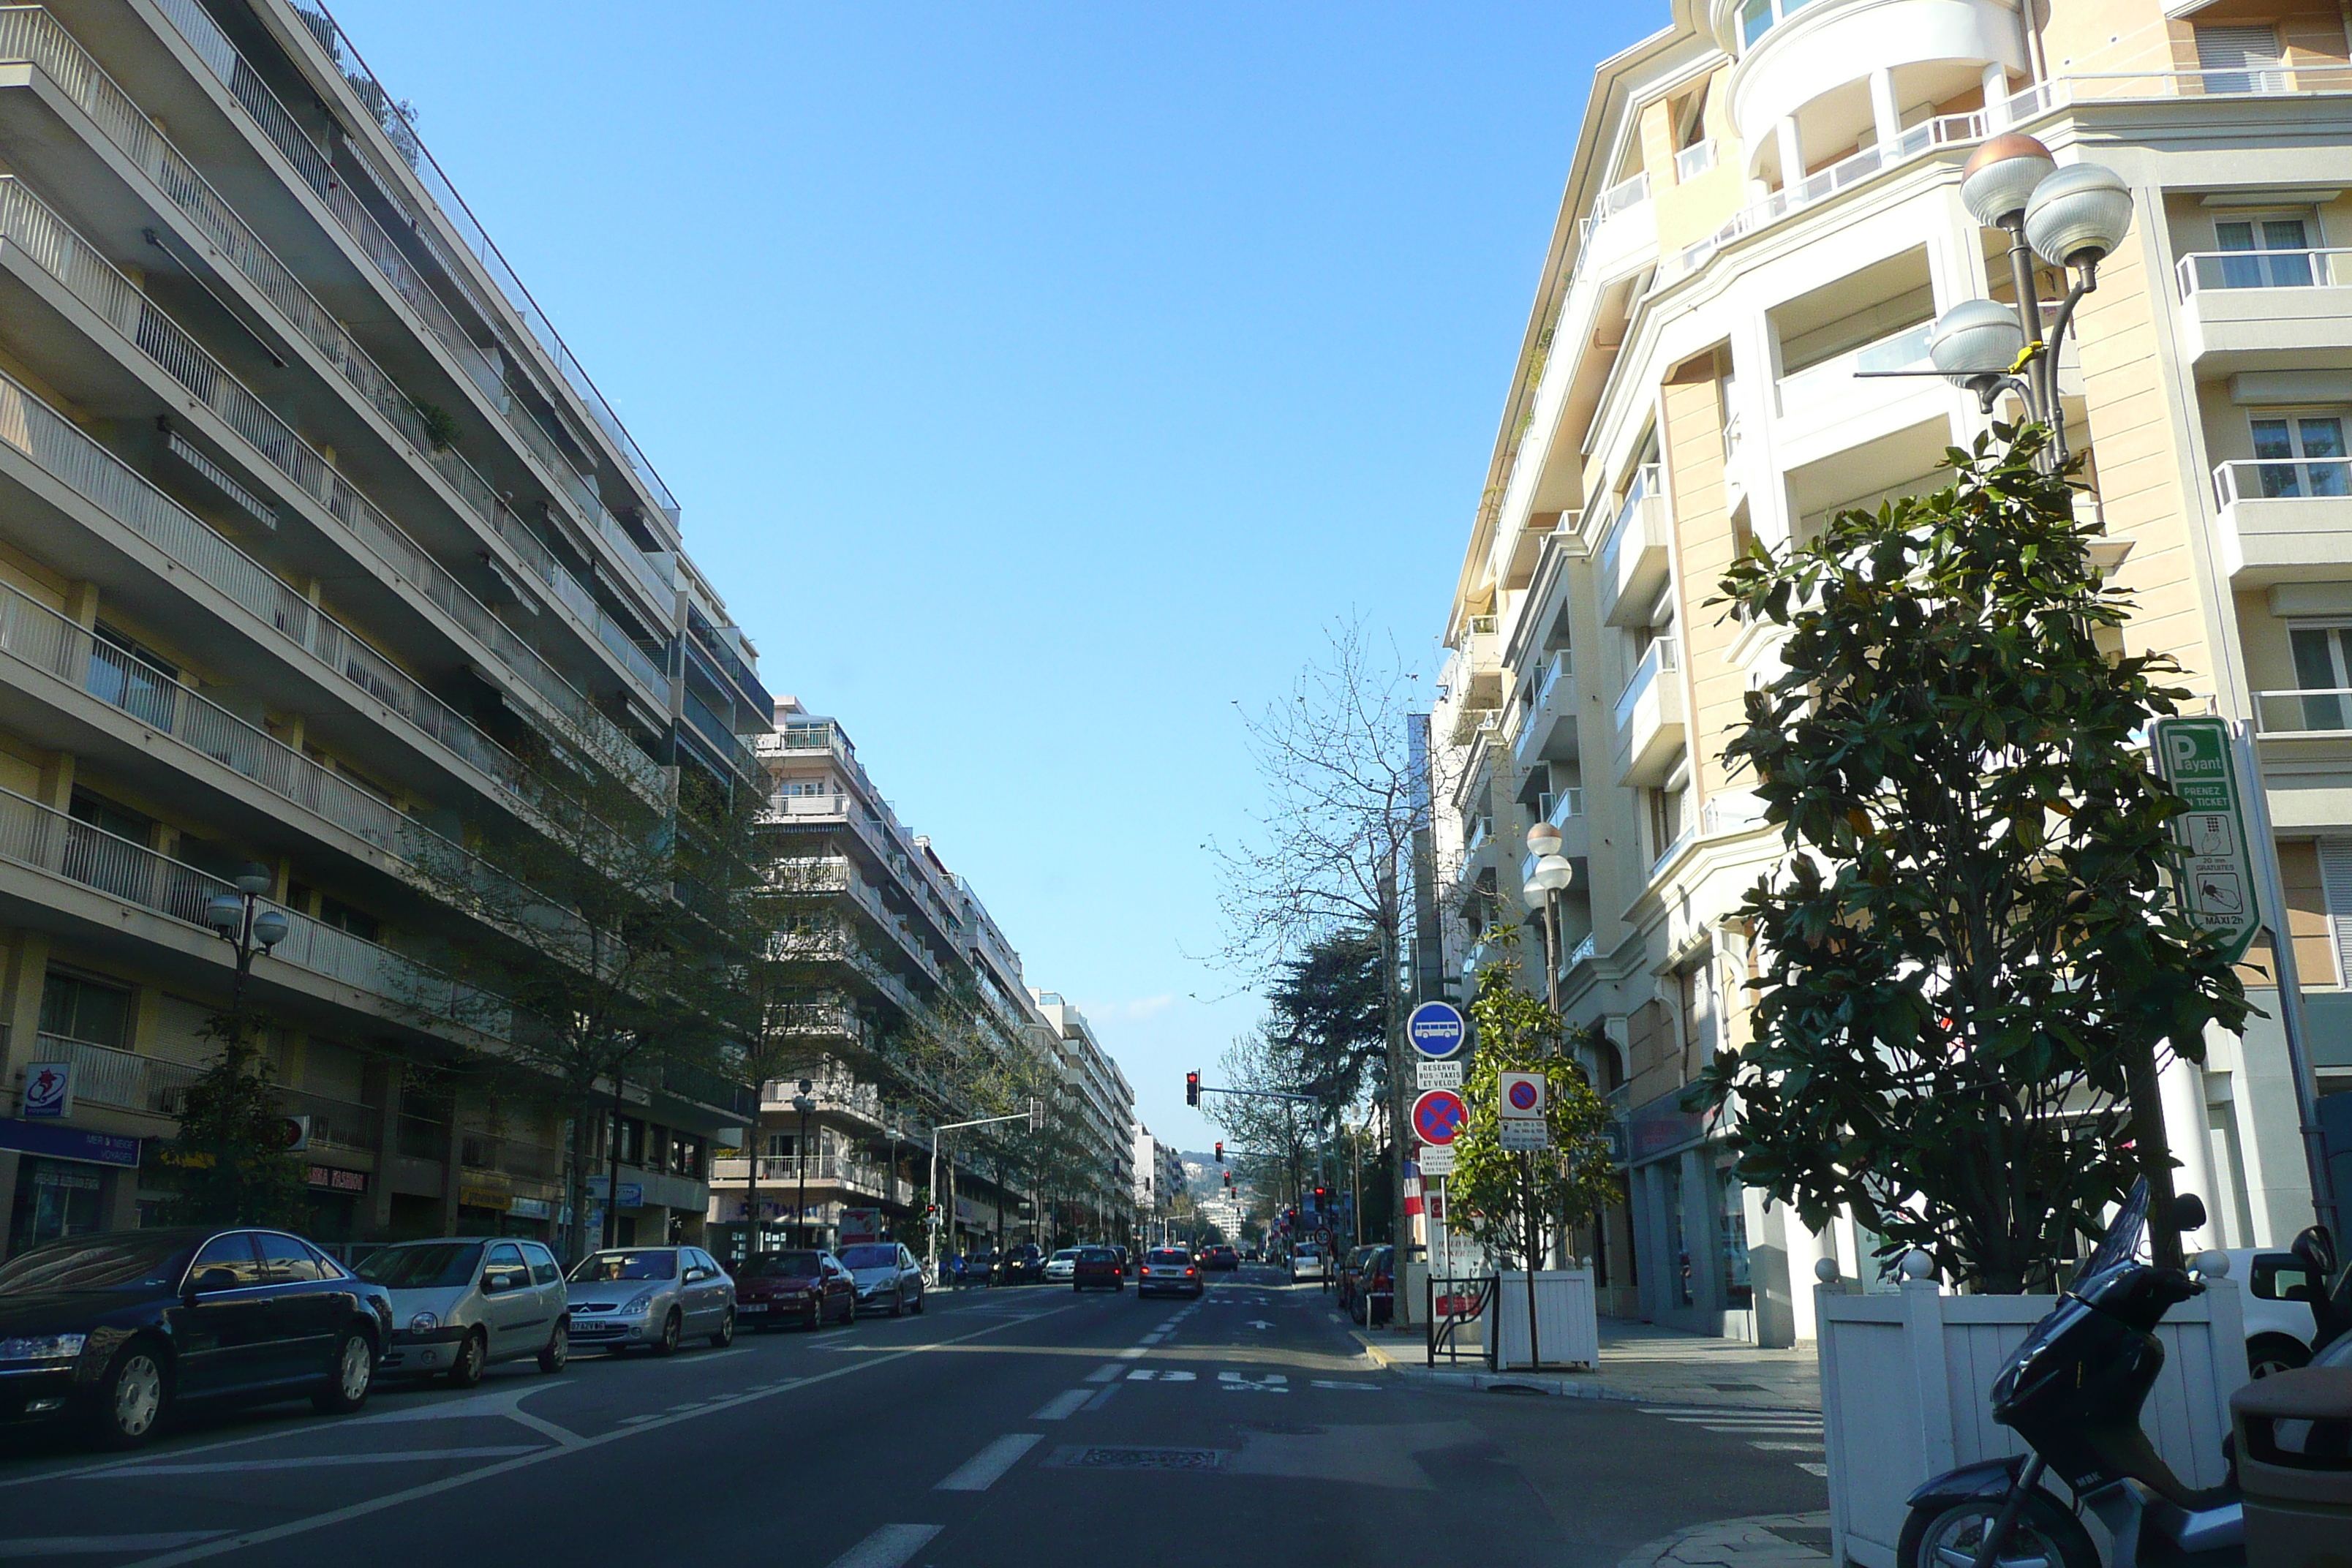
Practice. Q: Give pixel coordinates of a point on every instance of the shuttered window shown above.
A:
(2336, 888)
(2240, 59)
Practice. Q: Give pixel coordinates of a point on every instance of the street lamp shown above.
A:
(238, 920)
(1552, 876)
(2073, 218)
(804, 1104)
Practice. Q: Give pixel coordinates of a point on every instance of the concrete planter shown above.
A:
(1568, 1322)
(1905, 1384)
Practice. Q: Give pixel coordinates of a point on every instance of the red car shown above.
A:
(805, 1288)
(1169, 1271)
(1096, 1267)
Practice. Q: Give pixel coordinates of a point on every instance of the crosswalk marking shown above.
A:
(1759, 1428)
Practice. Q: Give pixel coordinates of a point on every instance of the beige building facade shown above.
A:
(1764, 200)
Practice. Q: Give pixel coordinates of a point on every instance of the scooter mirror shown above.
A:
(2187, 1213)
(2316, 1249)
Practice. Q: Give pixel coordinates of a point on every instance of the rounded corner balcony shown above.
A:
(1815, 60)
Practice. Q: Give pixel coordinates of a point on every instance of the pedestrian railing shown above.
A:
(1457, 1313)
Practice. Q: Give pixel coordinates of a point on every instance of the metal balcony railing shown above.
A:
(2319, 710)
(335, 1123)
(2316, 478)
(2329, 268)
(127, 1080)
(95, 281)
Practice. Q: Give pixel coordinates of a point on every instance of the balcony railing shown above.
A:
(2330, 269)
(345, 58)
(335, 1123)
(125, 1079)
(1905, 349)
(2317, 710)
(1580, 953)
(1663, 658)
(1646, 482)
(1689, 164)
(2313, 478)
(1733, 813)
(40, 234)
(786, 1169)
(1625, 193)
(1556, 670)
(1561, 805)
(72, 458)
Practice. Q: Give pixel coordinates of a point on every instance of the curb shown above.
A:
(1755, 1542)
(1569, 1387)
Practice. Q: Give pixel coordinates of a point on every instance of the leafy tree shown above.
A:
(1328, 1013)
(1970, 957)
(229, 1158)
(1514, 1202)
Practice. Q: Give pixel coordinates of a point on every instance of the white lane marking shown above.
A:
(1104, 1374)
(62, 1545)
(1821, 1471)
(1132, 1353)
(1335, 1383)
(1146, 1375)
(980, 1471)
(312, 1461)
(451, 1483)
(888, 1547)
(1789, 1447)
(1238, 1383)
(1152, 1339)
(1100, 1400)
(1063, 1404)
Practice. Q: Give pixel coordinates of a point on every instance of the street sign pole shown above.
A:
(2290, 1019)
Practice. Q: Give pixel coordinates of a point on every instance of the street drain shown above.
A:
(1096, 1458)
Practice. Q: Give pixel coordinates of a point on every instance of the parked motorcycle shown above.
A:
(2074, 1390)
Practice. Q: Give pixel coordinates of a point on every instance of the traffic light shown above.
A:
(1192, 1089)
(1221, 1153)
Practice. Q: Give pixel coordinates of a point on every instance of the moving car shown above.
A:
(1169, 1271)
(1223, 1258)
(889, 1279)
(1062, 1266)
(1306, 1263)
(113, 1331)
(1021, 1265)
(459, 1304)
(1095, 1266)
(810, 1288)
(652, 1296)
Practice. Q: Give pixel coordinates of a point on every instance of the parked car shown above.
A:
(461, 1304)
(1021, 1265)
(1169, 1271)
(1350, 1266)
(889, 1279)
(1374, 1302)
(1223, 1259)
(1095, 1267)
(1059, 1268)
(651, 1297)
(1306, 1263)
(810, 1288)
(2279, 1330)
(113, 1331)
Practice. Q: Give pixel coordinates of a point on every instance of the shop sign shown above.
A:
(335, 1179)
(529, 1208)
(68, 1143)
(1662, 1126)
(632, 1193)
(48, 1090)
(483, 1198)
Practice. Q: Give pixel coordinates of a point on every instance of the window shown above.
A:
(504, 1262)
(2301, 454)
(81, 1007)
(132, 678)
(285, 1261)
(1665, 820)
(686, 1153)
(1739, 1293)
(334, 911)
(543, 1269)
(227, 1263)
(2267, 251)
(2240, 59)
(2323, 663)
(628, 1140)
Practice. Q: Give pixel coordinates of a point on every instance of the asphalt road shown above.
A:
(1012, 1427)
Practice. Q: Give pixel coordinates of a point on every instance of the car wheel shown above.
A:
(473, 1354)
(2268, 1353)
(898, 1303)
(556, 1354)
(816, 1316)
(349, 1376)
(131, 1399)
(726, 1334)
(919, 1300)
(672, 1326)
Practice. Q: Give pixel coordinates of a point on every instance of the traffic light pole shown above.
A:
(1034, 1116)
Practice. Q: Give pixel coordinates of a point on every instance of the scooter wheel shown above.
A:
(2046, 1535)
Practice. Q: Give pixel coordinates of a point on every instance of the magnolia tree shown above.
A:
(1971, 958)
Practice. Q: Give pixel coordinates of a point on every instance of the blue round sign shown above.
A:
(1437, 1029)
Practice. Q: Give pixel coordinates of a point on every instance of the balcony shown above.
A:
(2266, 309)
(1836, 404)
(1736, 812)
(124, 1081)
(1548, 730)
(1634, 560)
(1650, 717)
(2284, 522)
(826, 1170)
(2320, 713)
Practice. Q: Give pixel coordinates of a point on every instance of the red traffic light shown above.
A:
(1220, 1153)
(1192, 1089)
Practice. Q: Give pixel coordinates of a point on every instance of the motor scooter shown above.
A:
(2074, 1390)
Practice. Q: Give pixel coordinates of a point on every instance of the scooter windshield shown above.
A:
(2121, 1243)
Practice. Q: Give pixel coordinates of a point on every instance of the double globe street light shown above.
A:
(240, 920)
(1553, 875)
(2072, 218)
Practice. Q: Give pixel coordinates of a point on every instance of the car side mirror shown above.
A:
(493, 1283)
(217, 1278)
(2316, 1249)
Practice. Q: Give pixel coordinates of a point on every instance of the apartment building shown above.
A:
(1099, 1103)
(1764, 200)
(911, 974)
(318, 550)
(1159, 1173)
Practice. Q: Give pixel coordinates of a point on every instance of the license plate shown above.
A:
(752, 1306)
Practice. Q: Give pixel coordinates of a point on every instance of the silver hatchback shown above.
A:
(652, 1296)
(460, 1304)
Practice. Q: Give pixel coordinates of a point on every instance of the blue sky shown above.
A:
(1038, 381)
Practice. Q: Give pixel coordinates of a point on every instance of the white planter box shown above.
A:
(1906, 1379)
(1567, 1322)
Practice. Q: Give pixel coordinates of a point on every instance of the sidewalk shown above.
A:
(1640, 1362)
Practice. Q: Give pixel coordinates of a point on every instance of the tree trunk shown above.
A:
(2154, 1151)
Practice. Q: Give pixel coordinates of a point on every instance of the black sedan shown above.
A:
(110, 1331)
(1021, 1265)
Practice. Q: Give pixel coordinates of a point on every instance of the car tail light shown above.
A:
(1187, 1271)
(1146, 1269)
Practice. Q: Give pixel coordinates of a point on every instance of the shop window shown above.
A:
(1678, 1257)
(55, 1198)
(1732, 1236)
(84, 1007)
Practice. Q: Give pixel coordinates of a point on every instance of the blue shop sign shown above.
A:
(68, 1143)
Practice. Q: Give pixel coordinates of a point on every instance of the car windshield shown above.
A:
(780, 1265)
(869, 1257)
(113, 1261)
(423, 1264)
(1097, 1254)
(599, 1267)
(1065, 1255)
(1165, 1255)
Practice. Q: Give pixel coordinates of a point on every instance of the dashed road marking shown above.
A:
(980, 1471)
(1063, 1404)
(1104, 1374)
(888, 1547)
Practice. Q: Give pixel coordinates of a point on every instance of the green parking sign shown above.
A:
(2197, 758)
